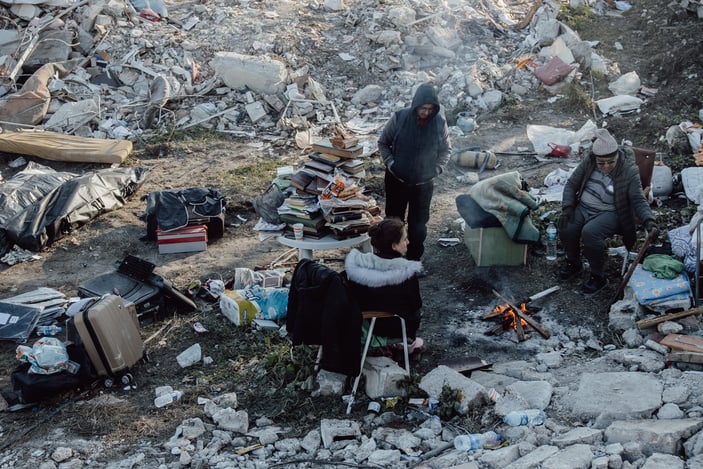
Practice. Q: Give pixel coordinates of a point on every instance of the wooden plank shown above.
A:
(528, 17)
(646, 323)
(686, 343)
(640, 255)
(518, 325)
(687, 357)
(534, 324)
(543, 293)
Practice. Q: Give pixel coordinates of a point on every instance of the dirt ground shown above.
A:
(660, 43)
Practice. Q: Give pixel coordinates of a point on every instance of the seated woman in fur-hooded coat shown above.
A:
(386, 281)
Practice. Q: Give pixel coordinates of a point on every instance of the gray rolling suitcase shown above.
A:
(109, 331)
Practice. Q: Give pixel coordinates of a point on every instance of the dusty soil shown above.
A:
(456, 293)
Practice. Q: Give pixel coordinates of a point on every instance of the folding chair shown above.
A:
(373, 315)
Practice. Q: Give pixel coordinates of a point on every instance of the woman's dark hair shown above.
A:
(385, 233)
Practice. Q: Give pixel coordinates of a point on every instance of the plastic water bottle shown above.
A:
(167, 398)
(473, 441)
(49, 330)
(551, 242)
(525, 417)
(436, 424)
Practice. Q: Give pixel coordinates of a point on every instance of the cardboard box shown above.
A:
(186, 239)
(492, 246)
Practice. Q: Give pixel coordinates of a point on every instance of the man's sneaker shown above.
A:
(569, 270)
(595, 284)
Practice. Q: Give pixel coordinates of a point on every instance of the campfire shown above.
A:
(518, 318)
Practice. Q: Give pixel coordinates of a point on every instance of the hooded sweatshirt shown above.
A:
(413, 150)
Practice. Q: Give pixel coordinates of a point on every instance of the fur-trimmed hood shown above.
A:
(372, 271)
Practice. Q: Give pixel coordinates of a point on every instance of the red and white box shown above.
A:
(186, 239)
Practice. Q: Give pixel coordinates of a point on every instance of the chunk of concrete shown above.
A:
(654, 436)
(537, 394)
(255, 111)
(54, 46)
(579, 435)
(383, 377)
(72, 115)
(572, 457)
(232, 420)
(533, 458)
(500, 457)
(367, 94)
(333, 429)
(260, 74)
(618, 394)
(664, 461)
(473, 393)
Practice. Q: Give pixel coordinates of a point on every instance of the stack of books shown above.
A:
(325, 146)
(350, 213)
(305, 210)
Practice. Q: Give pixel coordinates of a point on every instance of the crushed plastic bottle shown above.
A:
(167, 398)
(525, 417)
(474, 441)
(49, 330)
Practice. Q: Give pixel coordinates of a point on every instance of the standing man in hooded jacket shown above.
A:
(415, 147)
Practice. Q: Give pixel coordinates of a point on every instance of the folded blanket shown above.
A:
(663, 266)
(658, 293)
(503, 196)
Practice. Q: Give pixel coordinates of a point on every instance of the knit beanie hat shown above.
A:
(604, 143)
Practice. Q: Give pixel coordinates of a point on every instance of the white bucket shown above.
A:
(662, 181)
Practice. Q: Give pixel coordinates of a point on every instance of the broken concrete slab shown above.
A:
(654, 436)
(70, 116)
(473, 393)
(618, 394)
(577, 456)
(261, 74)
(534, 458)
(579, 435)
(332, 430)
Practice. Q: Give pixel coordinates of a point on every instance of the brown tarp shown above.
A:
(59, 147)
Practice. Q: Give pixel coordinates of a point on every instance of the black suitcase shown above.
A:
(132, 281)
(32, 387)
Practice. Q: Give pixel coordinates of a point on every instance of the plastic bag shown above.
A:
(266, 205)
(48, 355)
(244, 277)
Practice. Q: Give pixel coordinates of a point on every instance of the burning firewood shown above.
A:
(524, 317)
(508, 320)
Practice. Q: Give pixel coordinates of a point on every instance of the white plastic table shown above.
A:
(307, 245)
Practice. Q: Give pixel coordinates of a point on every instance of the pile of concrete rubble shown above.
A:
(625, 409)
(115, 69)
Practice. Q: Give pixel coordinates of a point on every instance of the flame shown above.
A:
(507, 312)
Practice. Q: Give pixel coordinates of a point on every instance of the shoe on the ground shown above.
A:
(417, 346)
(423, 273)
(595, 284)
(569, 270)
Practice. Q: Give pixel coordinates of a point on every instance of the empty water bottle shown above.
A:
(473, 441)
(525, 417)
(436, 424)
(551, 242)
(167, 398)
(49, 330)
